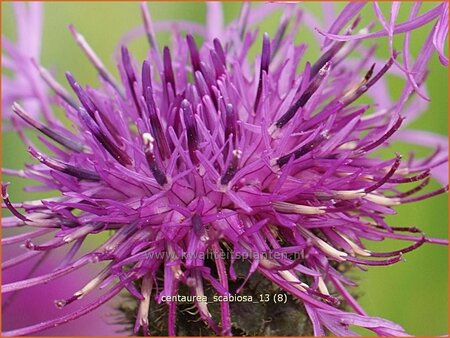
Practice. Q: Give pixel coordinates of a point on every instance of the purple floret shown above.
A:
(200, 150)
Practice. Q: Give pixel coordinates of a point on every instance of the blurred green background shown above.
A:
(413, 293)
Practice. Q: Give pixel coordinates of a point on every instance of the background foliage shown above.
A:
(415, 293)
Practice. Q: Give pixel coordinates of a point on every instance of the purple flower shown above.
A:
(40, 307)
(200, 156)
(24, 83)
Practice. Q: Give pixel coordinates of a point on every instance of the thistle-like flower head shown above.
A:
(200, 156)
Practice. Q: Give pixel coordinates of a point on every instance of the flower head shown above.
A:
(200, 156)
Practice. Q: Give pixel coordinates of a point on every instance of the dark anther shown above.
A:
(302, 150)
(197, 224)
(91, 108)
(66, 142)
(281, 31)
(265, 61)
(332, 51)
(230, 126)
(313, 86)
(193, 50)
(159, 176)
(155, 123)
(80, 173)
(367, 82)
(191, 130)
(114, 150)
(385, 136)
(168, 70)
(9, 205)
(131, 77)
(386, 177)
(232, 168)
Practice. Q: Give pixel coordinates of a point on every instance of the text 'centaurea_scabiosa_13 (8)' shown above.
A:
(201, 156)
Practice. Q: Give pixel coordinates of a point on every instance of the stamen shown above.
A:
(327, 298)
(157, 129)
(148, 26)
(362, 83)
(54, 85)
(313, 86)
(193, 51)
(82, 231)
(52, 244)
(325, 58)
(64, 141)
(86, 289)
(386, 177)
(219, 68)
(265, 61)
(144, 305)
(322, 287)
(343, 206)
(383, 200)
(332, 51)
(425, 196)
(392, 233)
(176, 268)
(91, 108)
(348, 194)
(350, 98)
(168, 70)
(291, 208)
(117, 153)
(355, 247)
(230, 126)
(191, 130)
(361, 261)
(68, 257)
(279, 35)
(9, 205)
(203, 88)
(293, 280)
(432, 156)
(412, 229)
(160, 177)
(302, 150)
(324, 246)
(219, 51)
(131, 77)
(223, 278)
(385, 136)
(415, 178)
(290, 266)
(412, 247)
(202, 306)
(197, 224)
(82, 96)
(232, 168)
(80, 173)
(414, 190)
(95, 60)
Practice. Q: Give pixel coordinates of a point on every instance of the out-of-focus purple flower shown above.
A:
(39, 300)
(202, 150)
(23, 83)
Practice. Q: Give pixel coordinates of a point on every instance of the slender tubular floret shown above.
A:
(203, 158)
